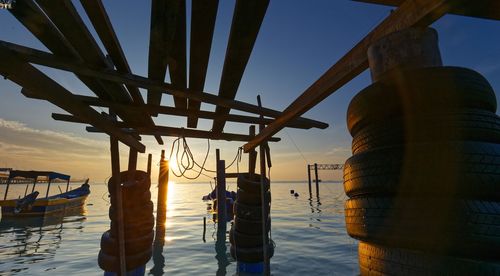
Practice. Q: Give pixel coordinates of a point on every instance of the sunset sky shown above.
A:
(298, 41)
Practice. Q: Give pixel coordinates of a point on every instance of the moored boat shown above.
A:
(31, 205)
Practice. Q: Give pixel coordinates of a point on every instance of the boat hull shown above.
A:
(43, 207)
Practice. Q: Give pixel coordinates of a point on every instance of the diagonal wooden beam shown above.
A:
(203, 14)
(36, 82)
(177, 67)
(100, 20)
(487, 9)
(47, 59)
(247, 19)
(410, 13)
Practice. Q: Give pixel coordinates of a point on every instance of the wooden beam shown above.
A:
(36, 82)
(203, 14)
(100, 20)
(167, 110)
(177, 67)
(247, 18)
(162, 30)
(185, 132)
(410, 13)
(47, 59)
(486, 9)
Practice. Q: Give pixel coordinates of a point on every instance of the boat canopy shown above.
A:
(36, 174)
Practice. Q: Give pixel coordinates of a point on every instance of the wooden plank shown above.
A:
(167, 110)
(177, 67)
(203, 14)
(410, 13)
(100, 20)
(47, 59)
(64, 15)
(185, 132)
(162, 30)
(486, 9)
(36, 82)
(247, 19)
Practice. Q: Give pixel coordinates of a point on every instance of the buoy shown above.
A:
(296, 194)
(292, 192)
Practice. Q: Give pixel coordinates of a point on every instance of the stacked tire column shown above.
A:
(246, 235)
(138, 224)
(423, 180)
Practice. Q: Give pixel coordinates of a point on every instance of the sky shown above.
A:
(297, 43)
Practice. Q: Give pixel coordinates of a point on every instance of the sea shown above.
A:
(309, 234)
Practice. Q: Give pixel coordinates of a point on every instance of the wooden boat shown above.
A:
(31, 205)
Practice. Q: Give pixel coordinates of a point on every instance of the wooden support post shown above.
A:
(317, 179)
(161, 213)
(264, 215)
(252, 155)
(115, 169)
(48, 188)
(309, 178)
(7, 189)
(221, 196)
(150, 158)
(34, 184)
(67, 185)
(132, 160)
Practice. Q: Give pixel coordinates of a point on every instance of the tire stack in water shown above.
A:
(424, 178)
(246, 234)
(138, 224)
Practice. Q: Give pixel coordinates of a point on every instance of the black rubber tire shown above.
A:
(466, 228)
(129, 192)
(244, 240)
(145, 210)
(111, 263)
(251, 255)
(249, 212)
(380, 260)
(109, 244)
(252, 198)
(134, 230)
(252, 185)
(250, 227)
(411, 93)
(466, 125)
(455, 169)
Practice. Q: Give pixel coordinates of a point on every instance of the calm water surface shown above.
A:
(309, 234)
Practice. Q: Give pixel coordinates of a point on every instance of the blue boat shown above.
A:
(31, 205)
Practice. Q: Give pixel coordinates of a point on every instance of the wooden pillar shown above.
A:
(115, 169)
(264, 216)
(150, 158)
(67, 185)
(7, 188)
(161, 210)
(309, 179)
(252, 155)
(317, 179)
(48, 188)
(221, 194)
(34, 184)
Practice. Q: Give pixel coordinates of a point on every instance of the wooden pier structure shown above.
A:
(106, 72)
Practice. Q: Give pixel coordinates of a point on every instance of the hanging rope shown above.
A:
(293, 142)
(186, 162)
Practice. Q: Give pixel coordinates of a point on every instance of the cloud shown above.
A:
(24, 147)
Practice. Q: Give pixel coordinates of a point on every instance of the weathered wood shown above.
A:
(185, 132)
(203, 14)
(162, 31)
(309, 179)
(148, 169)
(317, 179)
(167, 110)
(118, 202)
(410, 13)
(36, 82)
(247, 19)
(47, 59)
(252, 155)
(221, 196)
(487, 9)
(177, 66)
